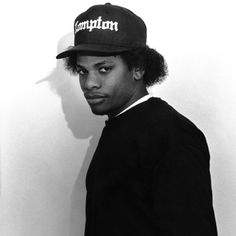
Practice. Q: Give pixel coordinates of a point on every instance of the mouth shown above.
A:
(94, 99)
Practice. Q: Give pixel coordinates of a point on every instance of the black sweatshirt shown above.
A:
(150, 176)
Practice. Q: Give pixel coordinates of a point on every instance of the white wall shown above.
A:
(48, 134)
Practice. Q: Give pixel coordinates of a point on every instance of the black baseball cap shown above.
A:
(107, 29)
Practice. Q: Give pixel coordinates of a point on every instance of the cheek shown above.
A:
(81, 83)
(122, 87)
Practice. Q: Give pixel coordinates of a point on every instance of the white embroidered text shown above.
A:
(96, 24)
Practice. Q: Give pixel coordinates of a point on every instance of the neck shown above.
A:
(141, 93)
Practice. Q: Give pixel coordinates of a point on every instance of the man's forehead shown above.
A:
(94, 60)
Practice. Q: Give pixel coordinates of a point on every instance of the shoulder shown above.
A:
(156, 119)
(158, 113)
(162, 121)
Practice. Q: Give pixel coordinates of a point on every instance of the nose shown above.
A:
(91, 81)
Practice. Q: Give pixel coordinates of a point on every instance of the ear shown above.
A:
(138, 73)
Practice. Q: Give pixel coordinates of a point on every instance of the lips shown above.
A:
(93, 99)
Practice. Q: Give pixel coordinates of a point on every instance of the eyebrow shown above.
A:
(100, 63)
(104, 62)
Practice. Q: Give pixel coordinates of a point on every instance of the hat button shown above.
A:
(108, 3)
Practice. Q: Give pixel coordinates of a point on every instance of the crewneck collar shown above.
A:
(139, 101)
(142, 99)
(134, 109)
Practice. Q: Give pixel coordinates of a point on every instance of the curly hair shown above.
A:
(147, 59)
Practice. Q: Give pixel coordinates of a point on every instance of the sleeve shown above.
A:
(181, 195)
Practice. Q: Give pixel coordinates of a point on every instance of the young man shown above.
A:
(150, 172)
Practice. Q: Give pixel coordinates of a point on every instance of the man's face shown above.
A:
(107, 83)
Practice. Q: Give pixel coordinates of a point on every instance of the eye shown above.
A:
(81, 71)
(105, 69)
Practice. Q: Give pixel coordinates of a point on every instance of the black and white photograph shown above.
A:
(118, 118)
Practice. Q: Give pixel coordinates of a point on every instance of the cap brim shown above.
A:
(92, 48)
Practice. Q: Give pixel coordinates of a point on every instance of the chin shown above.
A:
(101, 111)
(98, 112)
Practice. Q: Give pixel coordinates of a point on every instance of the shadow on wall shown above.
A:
(82, 123)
